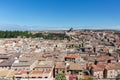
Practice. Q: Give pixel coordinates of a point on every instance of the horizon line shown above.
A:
(14, 27)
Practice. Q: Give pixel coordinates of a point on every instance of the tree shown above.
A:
(90, 78)
(86, 72)
(60, 77)
(1, 78)
(81, 79)
(118, 77)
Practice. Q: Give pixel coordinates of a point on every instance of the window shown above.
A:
(111, 76)
(39, 77)
(46, 77)
(111, 72)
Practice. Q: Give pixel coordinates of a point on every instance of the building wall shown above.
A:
(57, 71)
(98, 74)
(34, 79)
(29, 67)
(111, 74)
(49, 76)
(1, 68)
(33, 65)
(21, 68)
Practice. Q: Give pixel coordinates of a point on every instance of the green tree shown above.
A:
(60, 77)
(90, 78)
(27, 34)
(1, 78)
(81, 79)
(118, 77)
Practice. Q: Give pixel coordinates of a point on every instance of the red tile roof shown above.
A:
(72, 56)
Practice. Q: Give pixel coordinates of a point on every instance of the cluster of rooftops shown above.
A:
(86, 53)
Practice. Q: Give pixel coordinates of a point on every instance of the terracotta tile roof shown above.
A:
(117, 65)
(45, 64)
(21, 72)
(113, 66)
(109, 66)
(48, 71)
(31, 72)
(8, 62)
(4, 72)
(101, 65)
(36, 72)
(60, 65)
(72, 56)
(96, 68)
(75, 66)
(11, 74)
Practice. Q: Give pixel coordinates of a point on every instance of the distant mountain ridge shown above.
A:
(13, 27)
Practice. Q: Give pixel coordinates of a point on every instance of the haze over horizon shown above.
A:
(59, 14)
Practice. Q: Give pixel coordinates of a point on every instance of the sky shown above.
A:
(59, 14)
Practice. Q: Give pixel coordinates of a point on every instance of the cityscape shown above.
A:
(59, 39)
(68, 55)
